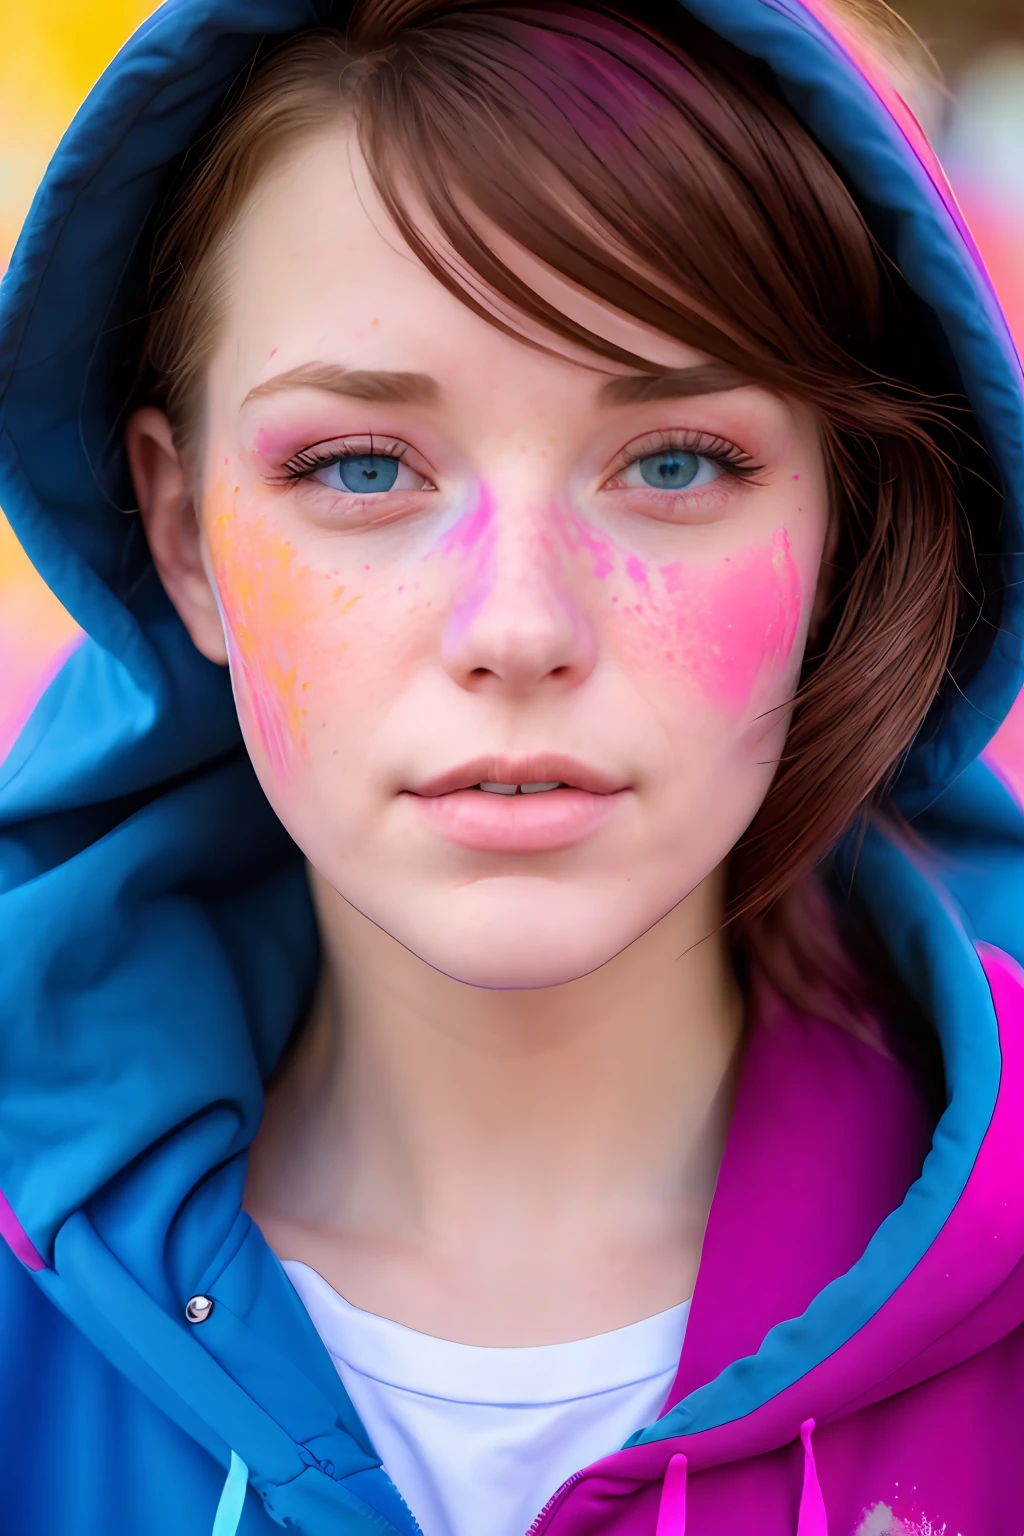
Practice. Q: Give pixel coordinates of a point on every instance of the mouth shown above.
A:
(532, 804)
(540, 773)
(519, 789)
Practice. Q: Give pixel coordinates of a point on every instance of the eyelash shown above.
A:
(718, 450)
(732, 460)
(301, 465)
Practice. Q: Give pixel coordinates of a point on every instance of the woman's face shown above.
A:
(446, 560)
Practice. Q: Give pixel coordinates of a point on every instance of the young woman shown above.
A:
(509, 1010)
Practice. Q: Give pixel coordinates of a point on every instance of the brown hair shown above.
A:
(654, 165)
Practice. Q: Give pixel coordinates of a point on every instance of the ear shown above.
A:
(171, 521)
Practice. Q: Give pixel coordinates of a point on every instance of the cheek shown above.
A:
(285, 626)
(731, 627)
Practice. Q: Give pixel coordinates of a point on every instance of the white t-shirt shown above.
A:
(477, 1440)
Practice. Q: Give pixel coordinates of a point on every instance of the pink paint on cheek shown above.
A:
(474, 529)
(735, 623)
(636, 571)
(578, 535)
(264, 705)
(472, 542)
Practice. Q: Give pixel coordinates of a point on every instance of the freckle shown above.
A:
(305, 686)
(401, 589)
(366, 567)
(237, 489)
(614, 599)
(375, 320)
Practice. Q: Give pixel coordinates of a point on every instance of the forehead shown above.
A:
(315, 263)
(314, 248)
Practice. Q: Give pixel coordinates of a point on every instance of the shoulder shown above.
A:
(82, 1449)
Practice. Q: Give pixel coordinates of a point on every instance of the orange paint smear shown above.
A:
(274, 609)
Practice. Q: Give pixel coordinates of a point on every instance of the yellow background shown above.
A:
(51, 52)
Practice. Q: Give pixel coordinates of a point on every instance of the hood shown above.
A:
(157, 938)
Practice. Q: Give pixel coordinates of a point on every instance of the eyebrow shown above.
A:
(354, 384)
(684, 384)
(399, 388)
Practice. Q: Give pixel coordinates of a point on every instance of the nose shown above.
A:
(515, 622)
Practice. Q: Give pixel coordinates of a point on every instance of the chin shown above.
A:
(517, 972)
(508, 935)
(519, 959)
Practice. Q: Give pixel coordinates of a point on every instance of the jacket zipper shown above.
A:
(329, 1470)
(553, 1503)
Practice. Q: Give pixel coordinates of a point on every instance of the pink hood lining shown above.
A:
(871, 68)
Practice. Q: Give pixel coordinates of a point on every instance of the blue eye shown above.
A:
(368, 472)
(670, 471)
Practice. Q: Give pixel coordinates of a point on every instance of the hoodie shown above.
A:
(854, 1360)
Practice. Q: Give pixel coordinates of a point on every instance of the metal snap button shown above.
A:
(198, 1309)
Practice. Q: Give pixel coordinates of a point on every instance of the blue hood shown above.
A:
(157, 944)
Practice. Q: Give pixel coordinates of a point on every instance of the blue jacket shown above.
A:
(157, 944)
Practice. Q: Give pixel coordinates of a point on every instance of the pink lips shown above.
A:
(532, 823)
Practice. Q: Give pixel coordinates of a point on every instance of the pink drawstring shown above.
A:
(813, 1519)
(672, 1512)
(813, 1516)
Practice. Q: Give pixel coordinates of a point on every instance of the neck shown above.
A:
(504, 1167)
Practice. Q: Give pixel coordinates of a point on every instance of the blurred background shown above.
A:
(51, 51)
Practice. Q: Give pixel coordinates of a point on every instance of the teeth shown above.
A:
(524, 789)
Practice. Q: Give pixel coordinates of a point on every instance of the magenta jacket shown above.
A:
(913, 1424)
